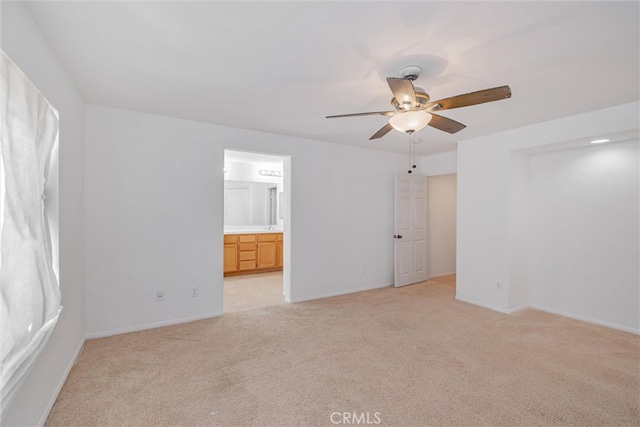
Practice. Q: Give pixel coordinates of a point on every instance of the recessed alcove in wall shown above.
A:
(573, 231)
(495, 263)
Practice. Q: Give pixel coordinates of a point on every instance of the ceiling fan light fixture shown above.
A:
(410, 121)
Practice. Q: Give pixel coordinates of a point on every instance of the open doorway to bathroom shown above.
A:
(255, 218)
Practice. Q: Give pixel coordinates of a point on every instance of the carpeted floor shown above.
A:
(411, 356)
(250, 291)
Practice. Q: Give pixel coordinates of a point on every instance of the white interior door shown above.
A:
(411, 264)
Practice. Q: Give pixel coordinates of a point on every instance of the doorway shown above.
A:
(425, 239)
(442, 217)
(256, 215)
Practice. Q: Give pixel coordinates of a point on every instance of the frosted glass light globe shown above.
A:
(410, 121)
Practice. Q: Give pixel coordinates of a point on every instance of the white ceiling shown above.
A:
(281, 67)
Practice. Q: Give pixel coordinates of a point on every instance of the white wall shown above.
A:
(584, 211)
(519, 231)
(488, 245)
(442, 224)
(439, 164)
(23, 43)
(241, 171)
(153, 213)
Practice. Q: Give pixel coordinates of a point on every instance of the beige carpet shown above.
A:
(409, 357)
(246, 292)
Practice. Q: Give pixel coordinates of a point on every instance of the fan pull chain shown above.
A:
(412, 152)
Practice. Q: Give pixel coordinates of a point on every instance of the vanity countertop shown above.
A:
(252, 231)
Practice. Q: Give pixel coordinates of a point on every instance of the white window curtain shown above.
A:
(29, 291)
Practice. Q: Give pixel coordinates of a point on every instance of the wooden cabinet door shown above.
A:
(230, 257)
(266, 255)
(280, 261)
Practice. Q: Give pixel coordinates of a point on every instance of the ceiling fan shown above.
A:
(413, 111)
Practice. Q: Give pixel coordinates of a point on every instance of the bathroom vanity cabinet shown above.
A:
(252, 253)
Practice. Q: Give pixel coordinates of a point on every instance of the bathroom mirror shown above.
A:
(249, 203)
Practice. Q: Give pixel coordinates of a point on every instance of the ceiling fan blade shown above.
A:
(402, 90)
(382, 132)
(373, 113)
(445, 124)
(473, 98)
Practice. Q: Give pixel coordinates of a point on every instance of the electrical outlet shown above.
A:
(194, 292)
(159, 296)
(498, 285)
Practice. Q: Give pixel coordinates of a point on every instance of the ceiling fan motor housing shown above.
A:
(422, 98)
(411, 73)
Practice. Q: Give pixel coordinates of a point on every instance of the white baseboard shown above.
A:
(586, 319)
(481, 304)
(145, 326)
(552, 311)
(519, 308)
(441, 274)
(335, 294)
(63, 379)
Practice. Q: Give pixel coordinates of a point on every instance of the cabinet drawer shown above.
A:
(247, 246)
(248, 265)
(266, 237)
(247, 255)
(230, 238)
(244, 238)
